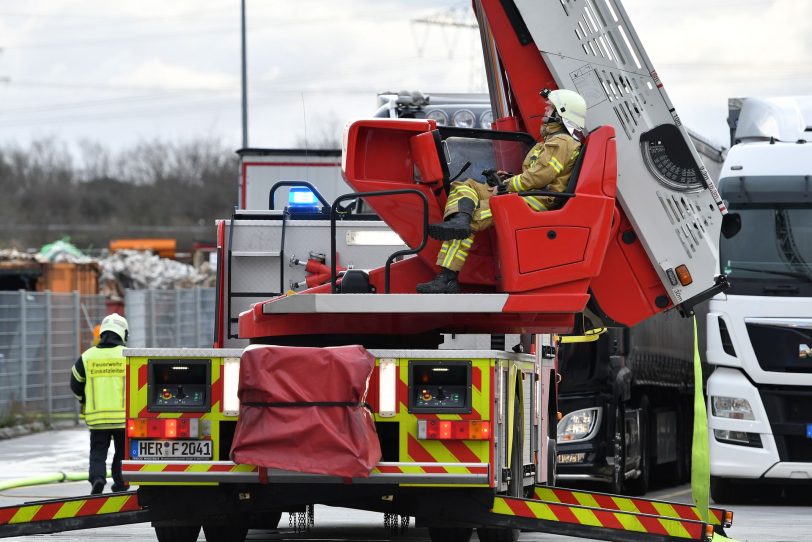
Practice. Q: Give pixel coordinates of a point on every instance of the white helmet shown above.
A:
(117, 324)
(570, 106)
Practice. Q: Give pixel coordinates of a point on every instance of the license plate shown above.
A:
(190, 450)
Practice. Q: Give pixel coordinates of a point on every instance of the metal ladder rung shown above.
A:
(245, 253)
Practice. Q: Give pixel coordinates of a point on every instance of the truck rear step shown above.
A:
(606, 501)
(56, 515)
(594, 522)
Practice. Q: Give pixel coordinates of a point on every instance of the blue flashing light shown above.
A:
(300, 196)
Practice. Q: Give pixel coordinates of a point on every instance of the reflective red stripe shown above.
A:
(418, 453)
(91, 507)
(47, 511)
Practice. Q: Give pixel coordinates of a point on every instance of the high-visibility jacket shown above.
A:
(104, 370)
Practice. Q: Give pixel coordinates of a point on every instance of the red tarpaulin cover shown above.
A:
(338, 440)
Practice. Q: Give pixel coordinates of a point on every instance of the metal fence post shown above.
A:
(77, 336)
(152, 343)
(49, 377)
(23, 354)
(177, 317)
(198, 338)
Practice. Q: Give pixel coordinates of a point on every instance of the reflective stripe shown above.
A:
(555, 164)
(485, 213)
(516, 183)
(462, 191)
(76, 375)
(457, 249)
(453, 246)
(535, 204)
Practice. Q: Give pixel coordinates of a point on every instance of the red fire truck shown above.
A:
(352, 391)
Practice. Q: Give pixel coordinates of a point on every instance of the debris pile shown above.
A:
(137, 270)
(117, 271)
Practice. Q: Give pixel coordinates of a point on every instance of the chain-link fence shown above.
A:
(170, 318)
(42, 334)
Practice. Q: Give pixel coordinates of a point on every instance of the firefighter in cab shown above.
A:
(547, 166)
(97, 381)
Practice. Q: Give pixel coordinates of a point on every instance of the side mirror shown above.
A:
(731, 224)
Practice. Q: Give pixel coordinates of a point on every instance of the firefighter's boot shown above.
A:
(444, 283)
(456, 226)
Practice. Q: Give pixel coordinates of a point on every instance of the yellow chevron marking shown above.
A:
(665, 509)
(586, 517)
(113, 504)
(198, 468)
(243, 468)
(542, 511)
(674, 528)
(546, 494)
(25, 514)
(585, 499)
(626, 505)
(69, 509)
(153, 468)
(630, 523)
(501, 507)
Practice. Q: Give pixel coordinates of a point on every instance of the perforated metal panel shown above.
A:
(591, 48)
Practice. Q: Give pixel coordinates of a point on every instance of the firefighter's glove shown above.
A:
(491, 177)
(501, 189)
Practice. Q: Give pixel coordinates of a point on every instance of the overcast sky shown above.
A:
(124, 71)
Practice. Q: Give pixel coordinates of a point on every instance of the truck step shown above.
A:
(595, 522)
(606, 501)
(55, 515)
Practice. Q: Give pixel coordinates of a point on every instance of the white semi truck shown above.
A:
(760, 330)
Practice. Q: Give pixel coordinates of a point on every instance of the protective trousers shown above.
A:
(99, 444)
(453, 253)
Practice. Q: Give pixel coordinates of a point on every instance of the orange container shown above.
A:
(165, 248)
(70, 277)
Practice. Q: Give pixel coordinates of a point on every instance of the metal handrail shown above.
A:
(391, 258)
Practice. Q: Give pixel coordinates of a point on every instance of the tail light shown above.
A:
(163, 428)
(453, 430)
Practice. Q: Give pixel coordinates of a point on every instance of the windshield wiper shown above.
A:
(793, 274)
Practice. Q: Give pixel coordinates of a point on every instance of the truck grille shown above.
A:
(789, 412)
(781, 348)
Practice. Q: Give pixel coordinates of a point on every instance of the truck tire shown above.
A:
(450, 534)
(639, 486)
(225, 533)
(552, 462)
(741, 491)
(177, 533)
(721, 490)
(267, 519)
